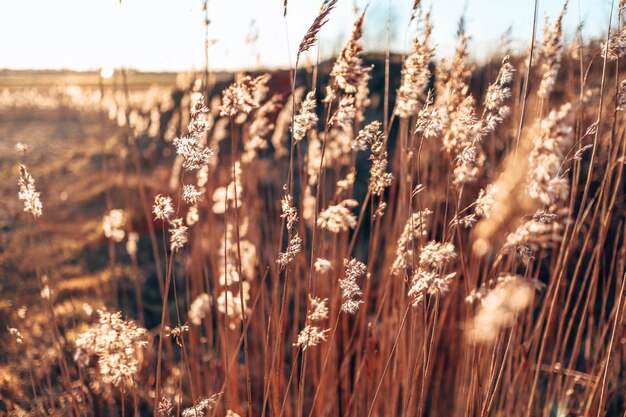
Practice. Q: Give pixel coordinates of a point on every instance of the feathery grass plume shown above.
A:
(346, 184)
(195, 155)
(289, 212)
(322, 265)
(616, 46)
(621, 96)
(497, 94)
(191, 195)
(201, 406)
(457, 116)
(540, 232)
(366, 136)
(294, 247)
(430, 120)
(116, 344)
(466, 221)
(198, 124)
(415, 9)
(178, 234)
(284, 8)
(230, 305)
(243, 96)
(499, 308)
(348, 72)
(199, 307)
(467, 164)
(379, 177)
(312, 334)
(306, 119)
(429, 278)
(380, 210)
(162, 208)
(551, 54)
(451, 82)
(546, 182)
(310, 37)
(463, 129)
(350, 292)
(462, 141)
(435, 255)
(260, 128)
(283, 123)
(345, 114)
(28, 193)
(578, 156)
(165, 407)
(415, 73)
(113, 225)
(177, 333)
(486, 201)
(414, 230)
(318, 309)
(338, 218)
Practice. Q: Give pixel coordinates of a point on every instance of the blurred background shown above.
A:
(98, 90)
(167, 35)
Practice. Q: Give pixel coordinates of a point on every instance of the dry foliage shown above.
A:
(247, 249)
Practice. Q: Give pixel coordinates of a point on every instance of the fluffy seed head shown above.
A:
(199, 307)
(306, 119)
(191, 195)
(338, 218)
(195, 155)
(116, 344)
(350, 292)
(162, 207)
(348, 71)
(242, 96)
(113, 225)
(178, 234)
(28, 194)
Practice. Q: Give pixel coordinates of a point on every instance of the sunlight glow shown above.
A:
(170, 35)
(107, 72)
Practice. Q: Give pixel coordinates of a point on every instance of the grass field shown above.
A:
(48, 78)
(374, 235)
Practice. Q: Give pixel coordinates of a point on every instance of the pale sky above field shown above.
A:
(169, 34)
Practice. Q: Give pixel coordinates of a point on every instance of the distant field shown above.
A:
(44, 78)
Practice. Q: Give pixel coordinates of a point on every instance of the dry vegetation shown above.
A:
(373, 236)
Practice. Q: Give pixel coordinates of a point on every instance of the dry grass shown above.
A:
(436, 239)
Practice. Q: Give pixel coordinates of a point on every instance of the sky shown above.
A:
(168, 35)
